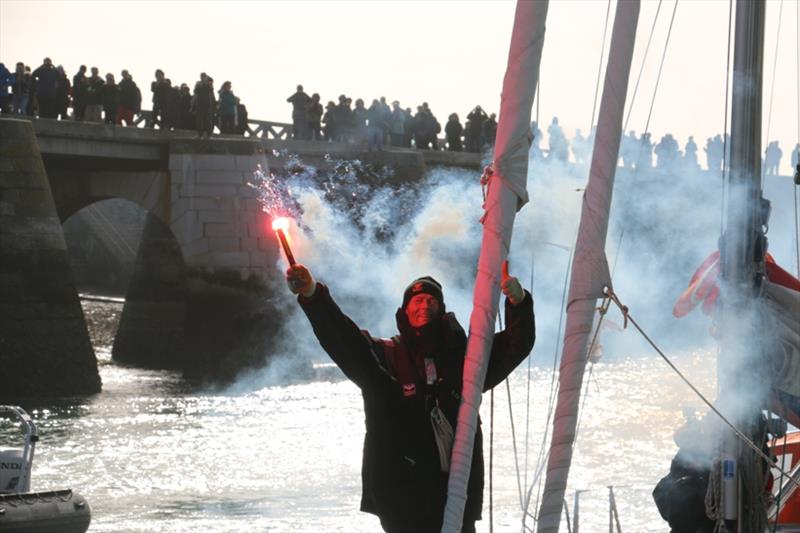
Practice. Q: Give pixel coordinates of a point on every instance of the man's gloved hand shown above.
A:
(300, 281)
(511, 286)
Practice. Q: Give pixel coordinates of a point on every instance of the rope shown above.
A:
(724, 194)
(641, 70)
(742, 436)
(600, 66)
(491, 458)
(796, 222)
(514, 443)
(772, 88)
(780, 481)
(658, 79)
(543, 450)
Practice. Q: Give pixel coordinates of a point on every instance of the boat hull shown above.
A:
(58, 511)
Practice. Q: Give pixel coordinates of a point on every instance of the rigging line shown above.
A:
(772, 88)
(661, 67)
(544, 453)
(655, 90)
(641, 70)
(725, 124)
(797, 144)
(700, 395)
(528, 389)
(780, 481)
(600, 66)
(491, 457)
(514, 443)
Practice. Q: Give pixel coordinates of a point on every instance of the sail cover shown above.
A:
(590, 272)
(506, 195)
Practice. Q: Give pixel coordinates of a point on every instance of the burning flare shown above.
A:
(280, 225)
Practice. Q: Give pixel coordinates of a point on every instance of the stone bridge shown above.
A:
(204, 293)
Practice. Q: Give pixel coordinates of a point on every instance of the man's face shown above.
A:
(421, 309)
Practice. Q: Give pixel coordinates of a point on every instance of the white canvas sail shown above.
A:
(590, 273)
(506, 195)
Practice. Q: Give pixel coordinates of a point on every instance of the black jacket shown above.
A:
(402, 481)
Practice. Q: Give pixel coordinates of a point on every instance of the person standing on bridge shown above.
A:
(160, 92)
(314, 117)
(299, 101)
(227, 108)
(411, 387)
(45, 80)
(94, 97)
(79, 86)
(130, 99)
(204, 105)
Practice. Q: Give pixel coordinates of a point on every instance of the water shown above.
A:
(151, 454)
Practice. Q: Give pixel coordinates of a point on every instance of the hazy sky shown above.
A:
(448, 53)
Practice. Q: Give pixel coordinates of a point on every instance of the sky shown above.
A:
(451, 54)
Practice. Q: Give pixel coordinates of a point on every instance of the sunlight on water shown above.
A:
(150, 455)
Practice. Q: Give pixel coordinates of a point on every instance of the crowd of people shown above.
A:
(641, 152)
(47, 92)
(381, 124)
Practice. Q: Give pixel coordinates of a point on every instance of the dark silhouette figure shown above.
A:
(204, 105)
(45, 79)
(130, 99)
(227, 108)
(453, 130)
(110, 100)
(160, 91)
(94, 97)
(21, 90)
(314, 117)
(63, 94)
(299, 101)
(490, 130)
(80, 85)
(474, 129)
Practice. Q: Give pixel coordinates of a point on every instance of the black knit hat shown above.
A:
(427, 285)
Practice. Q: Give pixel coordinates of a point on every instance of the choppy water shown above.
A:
(152, 455)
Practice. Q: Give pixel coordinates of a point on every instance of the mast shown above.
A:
(590, 273)
(742, 255)
(506, 195)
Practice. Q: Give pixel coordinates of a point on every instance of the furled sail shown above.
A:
(506, 195)
(590, 273)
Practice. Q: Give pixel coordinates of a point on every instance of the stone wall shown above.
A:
(228, 298)
(44, 344)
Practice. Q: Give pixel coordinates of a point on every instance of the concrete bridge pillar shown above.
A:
(44, 344)
(229, 258)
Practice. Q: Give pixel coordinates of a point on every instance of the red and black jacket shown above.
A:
(402, 481)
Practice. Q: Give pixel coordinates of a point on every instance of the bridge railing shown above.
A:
(262, 129)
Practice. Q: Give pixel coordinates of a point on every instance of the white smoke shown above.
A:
(669, 220)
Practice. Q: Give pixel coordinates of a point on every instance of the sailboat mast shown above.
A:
(742, 250)
(506, 195)
(590, 273)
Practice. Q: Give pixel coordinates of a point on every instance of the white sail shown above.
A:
(506, 195)
(590, 272)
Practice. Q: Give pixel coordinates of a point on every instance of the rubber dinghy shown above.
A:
(24, 511)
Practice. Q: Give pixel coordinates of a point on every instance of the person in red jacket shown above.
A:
(411, 386)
